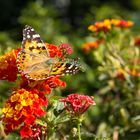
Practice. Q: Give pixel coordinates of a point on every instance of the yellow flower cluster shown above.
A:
(17, 101)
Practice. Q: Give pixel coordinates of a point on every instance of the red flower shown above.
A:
(55, 82)
(8, 67)
(66, 48)
(54, 50)
(44, 87)
(26, 132)
(33, 132)
(78, 104)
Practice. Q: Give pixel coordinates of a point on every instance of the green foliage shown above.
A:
(37, 15)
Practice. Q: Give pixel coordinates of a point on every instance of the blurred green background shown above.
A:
(66, 21)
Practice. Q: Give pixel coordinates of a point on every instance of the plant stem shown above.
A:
(79, 133)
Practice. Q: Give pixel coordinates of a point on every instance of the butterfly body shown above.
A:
(34, 60)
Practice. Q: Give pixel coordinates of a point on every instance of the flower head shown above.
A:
(107, 24)
(91, 45)
(8, 68)
(101, 26)
(122, 73)
(66, 48)
(44, 86)
(122, 23)
(54, 50)
(78, 104)
(34, 131)
(134, 72)
(23, 107)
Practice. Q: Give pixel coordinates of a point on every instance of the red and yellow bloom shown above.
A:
(23, 108)
(107, 24)
(121, 23)
(101, 26)
(8, 68)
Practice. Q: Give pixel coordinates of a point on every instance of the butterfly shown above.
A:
(34, 60)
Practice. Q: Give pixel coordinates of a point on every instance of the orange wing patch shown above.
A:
(34, 47)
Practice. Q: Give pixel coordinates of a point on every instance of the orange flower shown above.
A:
(42, 86)
(134, 72)
(106, 25)
(91, 45)
(122, 72)
(101, 26)
(115, 22)
(121, 23)
(8, 68)
(23, 107)
(137, 41)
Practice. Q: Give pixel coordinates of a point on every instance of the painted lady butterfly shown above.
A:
(34, 60)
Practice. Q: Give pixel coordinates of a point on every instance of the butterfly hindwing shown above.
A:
(68, 66)
(56, 68)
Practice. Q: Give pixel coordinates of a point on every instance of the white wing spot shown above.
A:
(32, 29)
(36, 36)
(28, 36)
(70, 67)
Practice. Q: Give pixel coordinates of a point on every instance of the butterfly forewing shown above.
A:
(33, 51)
(32, 42)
